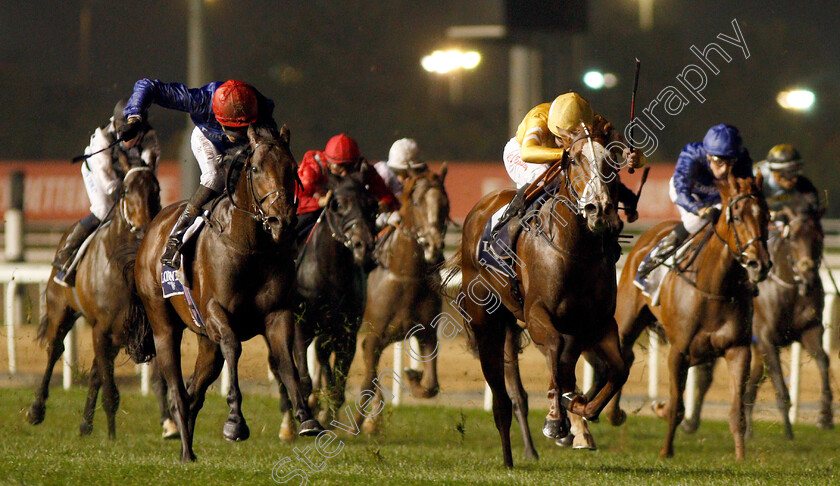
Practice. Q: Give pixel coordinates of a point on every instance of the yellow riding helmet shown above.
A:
(567, 111)
(784, 157)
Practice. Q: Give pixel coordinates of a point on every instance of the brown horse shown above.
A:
(706, 306)
(788, 308)
(403, 290)
(104, 286)
(564, 264)
(242, 279)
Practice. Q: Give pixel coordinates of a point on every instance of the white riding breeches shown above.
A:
(522, 173)
(100, 203)
(209, 161)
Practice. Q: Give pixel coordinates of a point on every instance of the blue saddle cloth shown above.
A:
(172, 286)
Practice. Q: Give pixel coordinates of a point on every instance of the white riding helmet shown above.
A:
(404, 155)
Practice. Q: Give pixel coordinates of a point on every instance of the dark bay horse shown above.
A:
(403, 291)
(706, 308)
(242, 279)
(332, 268)
(565, 269)
(103, 295)
(788, 308)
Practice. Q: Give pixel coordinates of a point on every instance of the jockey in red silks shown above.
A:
(221, 113)
(340, 157)
(103, 175)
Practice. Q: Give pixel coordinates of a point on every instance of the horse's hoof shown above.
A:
(287, 434)
(310, 428)
(788, 434)
(323, 417)
(188, 457)
(583, 442)
(658, 408)
(412, 375)
(690, 426)
(556, 428)
(370, 426)
(825, 423)
(565, 441)
(35, 414)
(85, 428)
(618, 417)
(236, 431)
(170, 430)
(665, 453)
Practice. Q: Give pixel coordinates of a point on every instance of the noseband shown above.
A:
(740, 248)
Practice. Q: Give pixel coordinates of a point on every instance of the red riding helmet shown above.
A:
(342, 149)
(235, 104)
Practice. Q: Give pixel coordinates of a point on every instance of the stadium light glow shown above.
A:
(442, 62)
(796, 100)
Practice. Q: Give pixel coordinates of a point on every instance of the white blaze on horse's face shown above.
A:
(595, 201)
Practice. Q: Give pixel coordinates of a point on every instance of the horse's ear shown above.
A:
(252, 135)
(443, 169)
(285, 134)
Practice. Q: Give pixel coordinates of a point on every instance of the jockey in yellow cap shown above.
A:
(538, 144)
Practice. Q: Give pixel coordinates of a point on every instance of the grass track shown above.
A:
(419, 445)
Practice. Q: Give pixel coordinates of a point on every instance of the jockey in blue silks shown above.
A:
(693, 190)
(221, 113)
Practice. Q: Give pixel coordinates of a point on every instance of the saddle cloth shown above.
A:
(171, 285)
(657, 275)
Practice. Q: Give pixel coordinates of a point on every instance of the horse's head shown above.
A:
(805, 235)
(268, 181)
(425, 212)
(592, 174)
(350, 215)
(140, 199)
(745, 221)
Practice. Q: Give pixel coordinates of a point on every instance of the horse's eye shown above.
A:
(254, 169)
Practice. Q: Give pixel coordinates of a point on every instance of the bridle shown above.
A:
(257, 213)
(425, 228)
(739, 253)
(124, 205)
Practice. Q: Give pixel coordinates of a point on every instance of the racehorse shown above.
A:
(564, 264)
(705, 302)
(403, 290)
(104, 284)
(788, 308)
(332, 268)
(241, 278)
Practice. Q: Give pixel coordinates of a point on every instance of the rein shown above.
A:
(732, 220)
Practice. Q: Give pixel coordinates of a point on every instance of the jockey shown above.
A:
(693, 190)
(403, 159)
(537, 146)
(784, 184)
(221, 113)
(340, 157)
(103, 174)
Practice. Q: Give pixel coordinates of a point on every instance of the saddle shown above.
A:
(679, 262)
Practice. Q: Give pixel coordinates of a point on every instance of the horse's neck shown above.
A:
(717, 270)
(780, 257)
(405, 256)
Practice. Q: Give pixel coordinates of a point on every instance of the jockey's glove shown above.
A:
(709, 213)
(131, 129)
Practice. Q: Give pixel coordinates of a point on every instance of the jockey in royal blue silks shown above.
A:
(693, 190)
(221, 113)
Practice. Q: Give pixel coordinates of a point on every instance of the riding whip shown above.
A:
(633, 107)
(82, 157)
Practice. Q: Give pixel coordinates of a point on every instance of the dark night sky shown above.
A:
(354, 67)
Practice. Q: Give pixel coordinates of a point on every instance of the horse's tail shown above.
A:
(139, 343)
(42, 329)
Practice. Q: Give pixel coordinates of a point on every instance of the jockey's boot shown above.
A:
(516, 208)
(201, 196)
(660, 253)
(64, 257)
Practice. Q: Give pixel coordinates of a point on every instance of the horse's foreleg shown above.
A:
(57, 323)
(110, 393)
(323, 385)
(704, 373)
(632, 318)
(371, 352)
(208, 366)
(344, 353)
(812, 342)
(770, 353)
(280, 336)
(86, 426)
(678, 369)
(427, 386)
(751, 390)
(516, 391)
(607, 350)
(738, 360)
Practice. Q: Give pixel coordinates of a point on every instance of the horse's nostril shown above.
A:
(589, 208)
(753, 264)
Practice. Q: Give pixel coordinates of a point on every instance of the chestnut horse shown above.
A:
(403, 290)
(242, 279)
(788, 308)
(104, 287)
(705, 305)
(564, 262)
